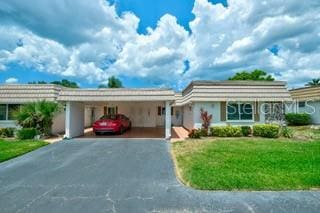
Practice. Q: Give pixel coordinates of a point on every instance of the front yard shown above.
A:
(248, 164)
(14, 148)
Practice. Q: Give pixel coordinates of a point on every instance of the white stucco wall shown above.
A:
(8, 124)
(316, 115)
(58, 125)
(98, 111)
(88, 116)
(312, 108)
(214, 109)
(141, 114)
(188, 121)
(74, 119)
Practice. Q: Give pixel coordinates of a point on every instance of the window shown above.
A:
(233, 112)
(302, 104)
(110, 110)
(12, 108)
(162, 111)
(7, 111)
(245, 111)
(3, 112)
(239, 111)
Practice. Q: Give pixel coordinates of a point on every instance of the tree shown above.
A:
(37, 82)
(256, 75)
(314, 82)
(66, 83)
(113, 82)
(63, 82)
(101, 86)
(37, 115)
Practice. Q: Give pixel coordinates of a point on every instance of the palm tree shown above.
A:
(314, 82)
(37, 115)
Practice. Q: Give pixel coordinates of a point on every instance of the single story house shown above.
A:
(307, 100)
(230, 102)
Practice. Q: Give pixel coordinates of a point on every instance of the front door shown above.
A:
(161, 114)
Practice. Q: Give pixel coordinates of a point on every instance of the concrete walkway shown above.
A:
(122, 175)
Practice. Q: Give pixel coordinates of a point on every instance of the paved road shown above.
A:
(122, 176)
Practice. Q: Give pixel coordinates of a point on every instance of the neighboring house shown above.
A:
(233, 102)
(230, 102)
(13, 96)
(307, 100)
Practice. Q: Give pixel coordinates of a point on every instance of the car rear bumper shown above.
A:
(105, 130)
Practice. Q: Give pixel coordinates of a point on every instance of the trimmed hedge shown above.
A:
(27, 133)
(203, 132)
(194, 133)
(298, 119)
(266, 130)
(7, 132)
(226, 131)
(246, 130)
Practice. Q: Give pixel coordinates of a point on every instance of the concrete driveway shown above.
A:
(122, 175)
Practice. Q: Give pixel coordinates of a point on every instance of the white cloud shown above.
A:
(11, 81)
(249, 28)
(157, 56)
(88, 40)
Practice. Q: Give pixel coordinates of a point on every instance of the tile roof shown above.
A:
(235, 91)
(306, 93)
(22, 93)
(120, 94)
(196, 91)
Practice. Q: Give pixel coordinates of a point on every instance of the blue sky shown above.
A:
(150, 12)
(159, 43)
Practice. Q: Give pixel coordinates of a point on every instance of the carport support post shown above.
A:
(74, 119)
(67, 121)
(168, 120)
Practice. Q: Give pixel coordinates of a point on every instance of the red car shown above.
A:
(117, 123)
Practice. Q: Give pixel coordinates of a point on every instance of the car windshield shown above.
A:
(111, 117)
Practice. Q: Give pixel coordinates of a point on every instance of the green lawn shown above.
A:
(13, 148)
(248, 164)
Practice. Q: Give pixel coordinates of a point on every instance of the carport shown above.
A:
(148, 109)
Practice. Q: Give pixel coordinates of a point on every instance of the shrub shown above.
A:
(37, 115)
(298, 119)
(287, 132)
(194, 133)
(203, 132)
(266, 130)
(246, 130)
(7, 132)
(27, 133)
(226, 131)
